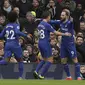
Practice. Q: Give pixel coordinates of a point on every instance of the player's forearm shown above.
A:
(21, 34)
(63, 34)
(1, 35)
(54, 21)
(59, 33)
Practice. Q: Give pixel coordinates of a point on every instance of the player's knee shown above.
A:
(64, 60)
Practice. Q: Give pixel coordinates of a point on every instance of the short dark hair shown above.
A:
(12, 16)
(46, 14)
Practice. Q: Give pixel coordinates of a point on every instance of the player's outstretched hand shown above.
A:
(68, 34)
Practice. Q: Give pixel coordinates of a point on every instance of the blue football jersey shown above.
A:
(11, 32)
(44, 30)
(65, 27)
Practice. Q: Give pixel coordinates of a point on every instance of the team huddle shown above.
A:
(11, 34)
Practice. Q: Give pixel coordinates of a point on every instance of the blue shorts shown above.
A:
(45, 49)
(12, 48)
(68, 50)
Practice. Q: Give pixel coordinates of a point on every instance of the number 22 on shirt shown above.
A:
(10, 34)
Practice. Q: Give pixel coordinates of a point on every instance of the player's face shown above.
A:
(63, 16)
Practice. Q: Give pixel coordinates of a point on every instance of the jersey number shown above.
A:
(41, 34)
(10, 34)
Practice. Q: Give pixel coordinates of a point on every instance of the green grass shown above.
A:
(41, 82)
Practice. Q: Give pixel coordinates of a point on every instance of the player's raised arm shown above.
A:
(21, 33)
(51, 29)
(62, 34)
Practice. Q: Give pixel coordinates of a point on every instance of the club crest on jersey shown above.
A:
(64, 29)
(66, 25)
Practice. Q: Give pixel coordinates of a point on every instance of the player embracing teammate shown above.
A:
(11, 34)
(67, 49)
(44, 29)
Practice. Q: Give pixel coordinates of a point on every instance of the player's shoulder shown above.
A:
(70, 22)
(48, 24)
(12, 25)
(9, 25)
(45, 24)
(16, 26)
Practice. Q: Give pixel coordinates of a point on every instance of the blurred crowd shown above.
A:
(29, 14)
(82, 71)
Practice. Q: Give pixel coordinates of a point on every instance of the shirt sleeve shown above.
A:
(50, 28)
(2, 34)
(71, 25)
(55, 22)
(17, 30)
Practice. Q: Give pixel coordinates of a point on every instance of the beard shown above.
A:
(62, 20)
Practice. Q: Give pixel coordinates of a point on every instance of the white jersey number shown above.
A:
(41, 34)
(10, 34)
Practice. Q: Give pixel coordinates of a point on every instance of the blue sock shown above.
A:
(66, 68)
(46, 67)
(77, 69)
(2, 62)
(40, 65)
(20, 67)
